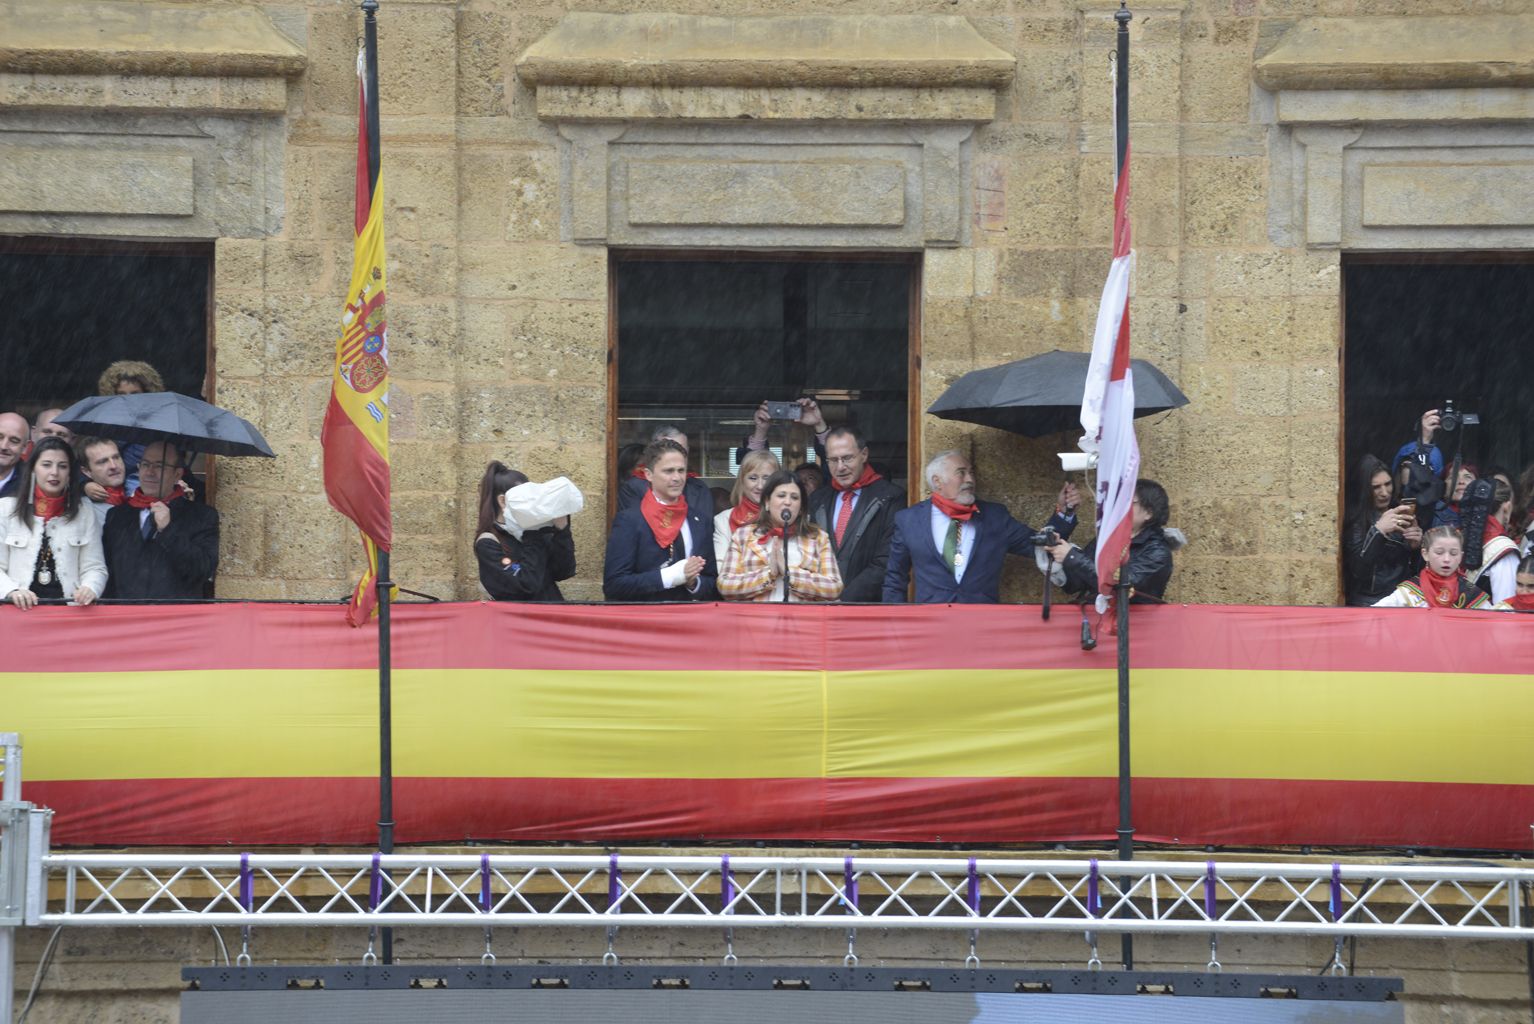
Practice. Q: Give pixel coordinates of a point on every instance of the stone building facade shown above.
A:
(523, 142)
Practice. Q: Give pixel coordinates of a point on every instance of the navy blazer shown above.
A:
(631, 571)
(997, 535)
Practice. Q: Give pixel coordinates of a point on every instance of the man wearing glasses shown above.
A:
(160, 545)
(858, 511)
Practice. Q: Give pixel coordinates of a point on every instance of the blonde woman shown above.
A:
(754, 567)
(745, 499)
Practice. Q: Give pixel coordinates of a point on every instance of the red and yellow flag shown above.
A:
(355, 437)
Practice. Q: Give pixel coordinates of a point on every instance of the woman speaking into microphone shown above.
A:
(781, 545)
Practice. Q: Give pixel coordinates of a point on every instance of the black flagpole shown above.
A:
(385, 585)
(1126, 830)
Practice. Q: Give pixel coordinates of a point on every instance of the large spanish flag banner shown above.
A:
(355, 437)
(255, 724)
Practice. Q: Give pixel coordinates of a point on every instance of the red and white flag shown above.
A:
(1108, 405)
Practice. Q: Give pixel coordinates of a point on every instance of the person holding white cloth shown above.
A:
(524, 546)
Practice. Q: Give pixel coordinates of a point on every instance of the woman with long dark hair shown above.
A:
(755, 567)
(50, 545)
(518, 565)
(1380, 537)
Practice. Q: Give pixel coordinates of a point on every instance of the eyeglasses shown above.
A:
(842, 460)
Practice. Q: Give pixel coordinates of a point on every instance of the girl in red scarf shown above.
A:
(1440, 584)
(745, 499)
(1523, 601)
(52, 546)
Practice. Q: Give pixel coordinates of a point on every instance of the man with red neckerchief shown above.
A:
(953, 542)
(662, 547)
(106, 475)
(160, 545)
(858, 511)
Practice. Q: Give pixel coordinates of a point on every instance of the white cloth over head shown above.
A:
(530, 506)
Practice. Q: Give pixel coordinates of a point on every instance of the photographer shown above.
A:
(1380, 538)
(1150, 550)
(1424, 450)
(807, 414)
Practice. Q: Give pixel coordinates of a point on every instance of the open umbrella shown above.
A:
(191, 424)
(1042, 394)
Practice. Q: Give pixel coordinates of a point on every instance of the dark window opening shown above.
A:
(72, 306)
(700, 342)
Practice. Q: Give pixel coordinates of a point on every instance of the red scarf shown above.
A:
(142, 500)
(868, 477)
(665, 521)
(116, 495)
(1494, 528)
(745, 512)
(45, 506)
(1440, 591)
(777, 531)
(1521, 602)
(640, 473)
(953, 510)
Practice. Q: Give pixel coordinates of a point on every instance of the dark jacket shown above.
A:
(528, 569)
(1373, 563)
(699, 497)
(173, 563)
(8, 489)
(1150, 567)
(912, 549)
(864, 552)
(631, 570)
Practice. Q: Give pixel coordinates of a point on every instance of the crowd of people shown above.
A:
(84, 519)
(1430, 530)
(807, 534)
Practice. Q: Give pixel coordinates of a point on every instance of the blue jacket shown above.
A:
(997, 535)
(631, 571)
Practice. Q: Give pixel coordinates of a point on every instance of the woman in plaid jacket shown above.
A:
(753, 567)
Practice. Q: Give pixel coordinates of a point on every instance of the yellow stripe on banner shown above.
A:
(1379, 726)
(735, 725)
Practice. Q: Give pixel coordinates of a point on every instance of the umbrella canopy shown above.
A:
(1042, 394)
(191, 424)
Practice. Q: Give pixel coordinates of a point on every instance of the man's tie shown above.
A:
(951, 544)
(844, 516)
(147, 527)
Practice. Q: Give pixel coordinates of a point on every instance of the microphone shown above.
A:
(787, 517)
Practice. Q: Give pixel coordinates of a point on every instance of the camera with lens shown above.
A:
(1451, 419)
(1046, 538)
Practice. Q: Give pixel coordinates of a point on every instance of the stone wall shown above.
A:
(498, 305)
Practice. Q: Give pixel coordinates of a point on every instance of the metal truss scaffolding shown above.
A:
(397, 890)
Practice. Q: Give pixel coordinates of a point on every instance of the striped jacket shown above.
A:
(748, 574)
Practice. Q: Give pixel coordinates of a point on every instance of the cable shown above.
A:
(222, 948)
(42, 969)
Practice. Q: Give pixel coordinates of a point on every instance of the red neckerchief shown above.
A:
(744, 513)
(777, 531)
(665, 521)
(868, 477)
(1440, 591)
(952, 509)
(1494, 528)
(116, 495)
(142, 500)
(45, 505)
(640, 473)
(1521, 602)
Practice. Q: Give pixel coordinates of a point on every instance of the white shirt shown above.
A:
(940, 523)
(672, 575)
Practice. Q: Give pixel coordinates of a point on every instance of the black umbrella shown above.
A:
(190, 424)
(1042, 394)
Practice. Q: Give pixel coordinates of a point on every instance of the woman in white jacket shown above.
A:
(50, 544)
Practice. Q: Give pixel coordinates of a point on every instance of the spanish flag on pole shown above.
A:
(355, 437)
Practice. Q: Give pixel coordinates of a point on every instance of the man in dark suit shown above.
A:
(661, 548)
(159, 543)
(15, 438)
(858, 511)
(635, 488)
(955, 543)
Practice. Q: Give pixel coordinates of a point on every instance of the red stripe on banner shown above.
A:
(766, 637)
(1219, 812)
(356, 475)
(1121, 235)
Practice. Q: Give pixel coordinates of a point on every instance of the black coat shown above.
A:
(528, 569)
(1150, 567)
(1373, 563)
(173, 564)
(632, 569)
(864, 552)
